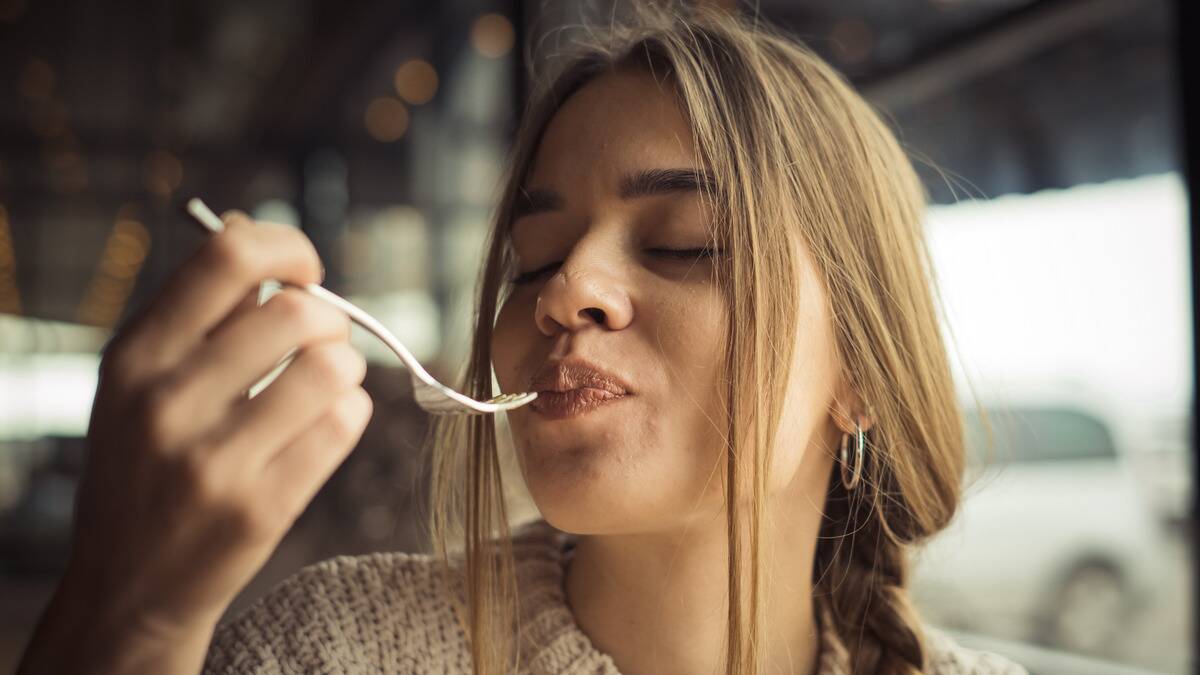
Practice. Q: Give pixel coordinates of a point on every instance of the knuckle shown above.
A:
(238, 239)
(341, 424)
(305, 315)
(292, 305)
(114, 363)
(235, 218)
(330, 365)
(223, 497)
(295, 245)
(329, 321)
(200, 482)
(131, 358)
(350, 416)
(356, 368)
(307, 250)
(122, 353)
(366, 403)
(231, 253)
(161, 414)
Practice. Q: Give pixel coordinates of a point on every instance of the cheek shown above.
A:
(511, 339)
(689, 334)
(689, 337)
(802, 442)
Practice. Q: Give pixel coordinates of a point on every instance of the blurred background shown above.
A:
(1048, 132)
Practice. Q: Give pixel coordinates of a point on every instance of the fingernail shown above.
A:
(322, 272)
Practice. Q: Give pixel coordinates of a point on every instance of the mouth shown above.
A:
(574, 386)
(573, 402)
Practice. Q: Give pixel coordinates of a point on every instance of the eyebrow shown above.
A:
(645, 183)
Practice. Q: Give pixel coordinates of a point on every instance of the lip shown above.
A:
(573, 386)
(562, 404)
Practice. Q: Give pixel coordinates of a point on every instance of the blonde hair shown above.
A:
(797, 156)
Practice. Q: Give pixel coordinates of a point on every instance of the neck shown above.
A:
(657, 602)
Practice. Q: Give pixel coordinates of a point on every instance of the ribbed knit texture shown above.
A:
(393, 613)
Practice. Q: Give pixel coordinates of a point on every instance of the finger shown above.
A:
(296, 473)
(245, 305)
(213, 281)
(246, 349)
(319, 375)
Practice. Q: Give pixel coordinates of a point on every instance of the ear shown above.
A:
(848, 407)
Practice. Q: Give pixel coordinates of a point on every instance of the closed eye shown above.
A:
(688, 254)
(685, 253)
(531, 275)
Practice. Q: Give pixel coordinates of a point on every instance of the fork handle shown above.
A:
(368, 322)
(212, 222)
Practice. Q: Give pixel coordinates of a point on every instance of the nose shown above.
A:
(578, 296)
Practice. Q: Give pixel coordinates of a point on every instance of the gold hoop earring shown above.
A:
(860, 442)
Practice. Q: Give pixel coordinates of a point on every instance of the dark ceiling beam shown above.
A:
(998, 43)
(20, 147)
(224, 171)
(321, 68)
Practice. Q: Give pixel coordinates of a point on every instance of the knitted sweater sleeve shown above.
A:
(948, 657)
(381, 611)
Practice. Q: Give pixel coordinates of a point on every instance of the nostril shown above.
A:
(596, 313)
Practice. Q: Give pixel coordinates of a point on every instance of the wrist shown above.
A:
(87, 628)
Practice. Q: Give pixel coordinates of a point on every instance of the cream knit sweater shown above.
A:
(392, 613)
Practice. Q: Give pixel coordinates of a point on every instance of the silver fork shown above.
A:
(431, 395)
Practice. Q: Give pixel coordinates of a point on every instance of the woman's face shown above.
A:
(607, 293)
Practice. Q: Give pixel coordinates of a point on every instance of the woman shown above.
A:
(708, 262)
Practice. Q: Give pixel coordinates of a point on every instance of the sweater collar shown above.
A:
(554, 643)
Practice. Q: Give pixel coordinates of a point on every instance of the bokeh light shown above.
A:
(386, 119)
(124, 252)
(416, 81)
(492, 35)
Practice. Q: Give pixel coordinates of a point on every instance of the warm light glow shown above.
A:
(124, 253)
(416, 81)
(493, 35)
(127, 249)
(10, 299)
(162, 173)
(386, 119)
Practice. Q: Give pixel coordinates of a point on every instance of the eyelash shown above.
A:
(679, 254)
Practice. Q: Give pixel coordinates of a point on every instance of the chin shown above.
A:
(597, 475)
(581, 502)
(577, 497)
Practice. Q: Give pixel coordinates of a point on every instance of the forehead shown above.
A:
(619, 121)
